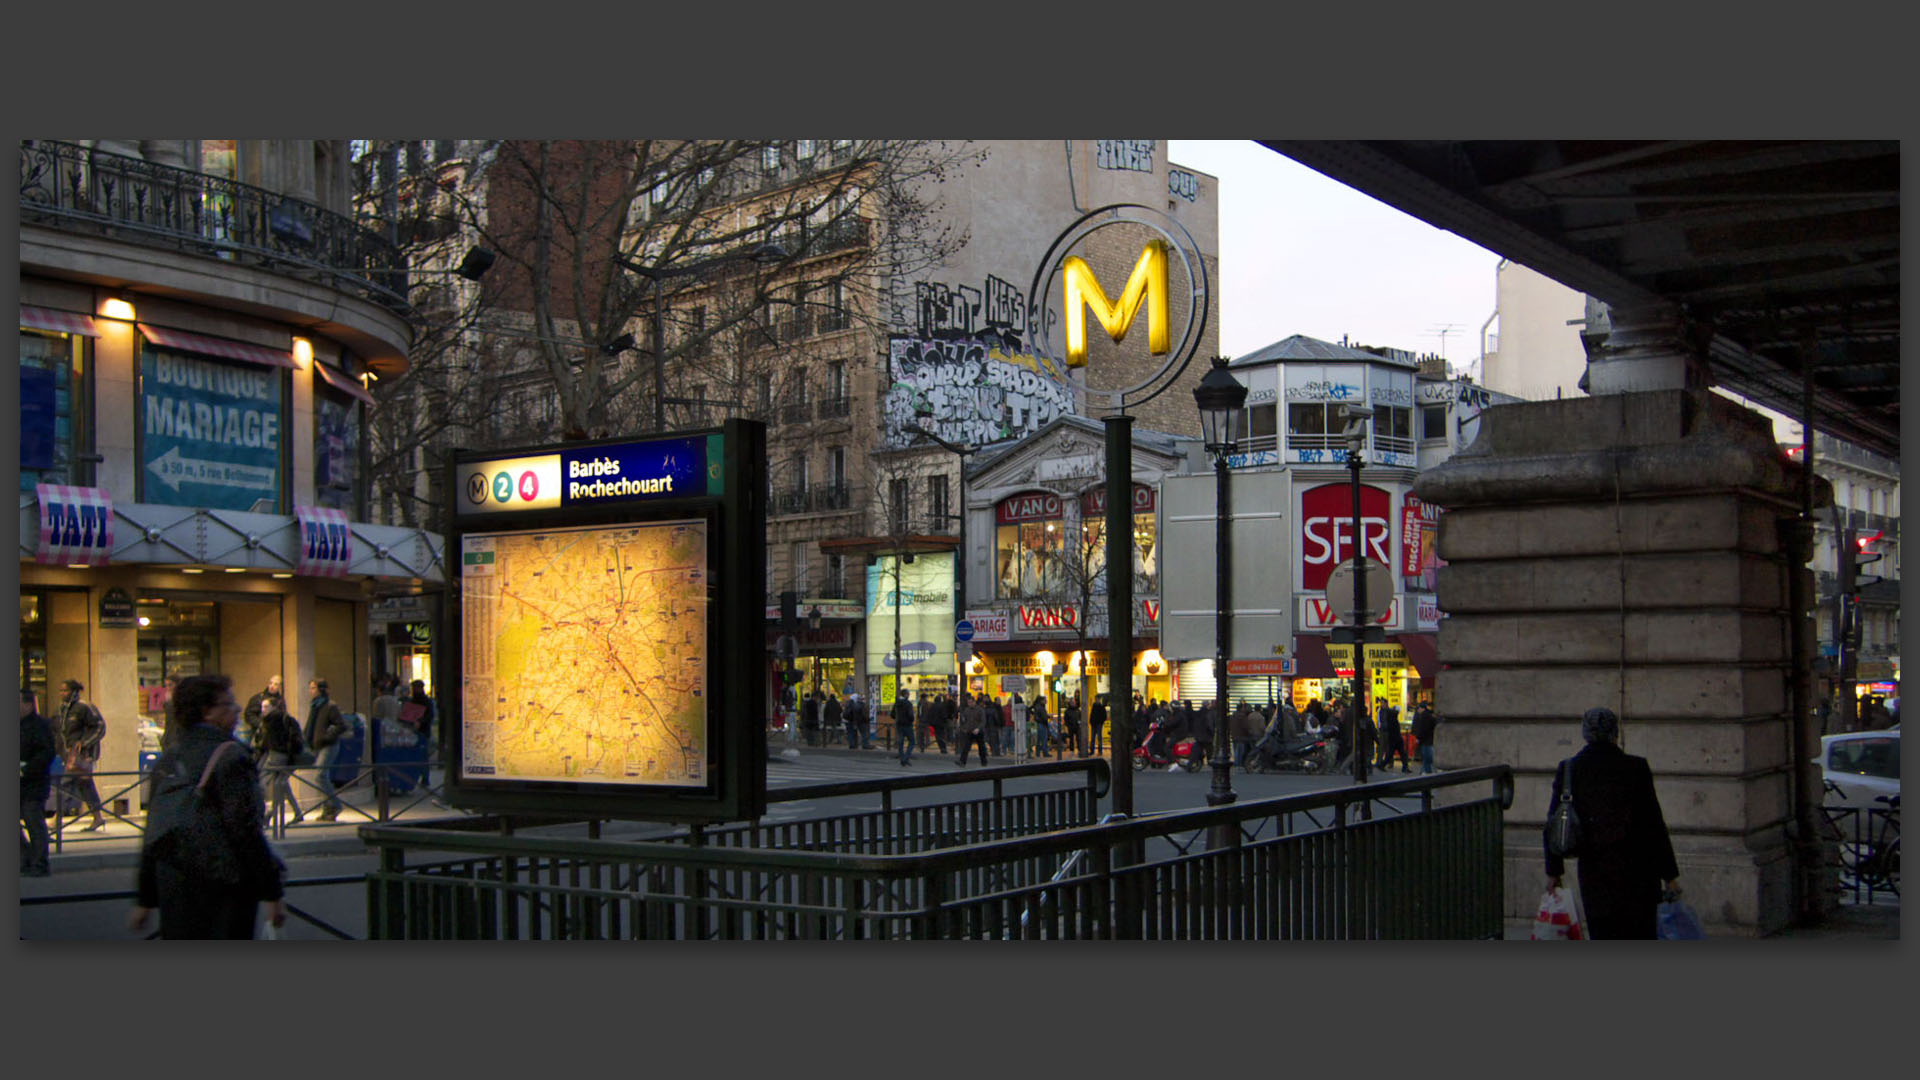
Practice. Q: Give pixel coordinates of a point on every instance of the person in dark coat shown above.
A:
(77, 738)
(1391, 744)
(36, 783)
(190, 906)
(972, 728)
(1424, 723)
(1096, 724)
(1625, 853)
(903, 725)
(833, 718)
(325, 727)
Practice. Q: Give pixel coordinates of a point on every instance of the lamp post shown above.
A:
(765, 255)
(1358, 419)
(1220, 397)
(813, 624)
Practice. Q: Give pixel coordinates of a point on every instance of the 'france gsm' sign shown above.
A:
(1326, 530)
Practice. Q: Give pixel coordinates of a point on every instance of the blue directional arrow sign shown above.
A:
(963, 631)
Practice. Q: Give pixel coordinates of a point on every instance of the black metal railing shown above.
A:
(295, 912)
(1866, 846)
(71, 186)
(1317, 865)
(369, 792)
(836, 407)
(832, 497)
(798, 413)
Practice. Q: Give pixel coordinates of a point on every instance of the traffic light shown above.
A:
(1863, 554)
(790, 677)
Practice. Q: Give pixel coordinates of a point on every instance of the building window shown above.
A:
(770, 157)
(835, 587)
(797, 563)
(836, 381)
(1261, 420)
(336, 451)
(939, 509)
(1433, 422)
(764, 392)
(834, 315)
(1029, 538)
(54, 410)
(897, 506)
(1393, 429)
(803, 148)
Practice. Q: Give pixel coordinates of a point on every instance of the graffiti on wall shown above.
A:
(1183, 184)
(959, 311)
(1132, 154)
(966, 393)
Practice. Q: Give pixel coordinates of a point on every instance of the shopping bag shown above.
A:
(1679, 923)
(1557, 921)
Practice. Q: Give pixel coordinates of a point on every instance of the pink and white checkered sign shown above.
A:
(76, 525)
(326, 547)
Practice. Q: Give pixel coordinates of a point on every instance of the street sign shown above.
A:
(962, 652)
(786, 648)
(963, 631)
(1379, 589)
(1262, 666)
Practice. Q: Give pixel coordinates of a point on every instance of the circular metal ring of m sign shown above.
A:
(1046, 305)
(963, 631)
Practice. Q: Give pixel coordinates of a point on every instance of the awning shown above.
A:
(1312, 661)
(212, 346)
(342, 383)
(1310, 658)
(1422, 653)
(60, 322)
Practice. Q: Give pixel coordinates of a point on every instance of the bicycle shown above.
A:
(1870, 859)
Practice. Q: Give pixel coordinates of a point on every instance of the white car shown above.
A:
(1860, 766)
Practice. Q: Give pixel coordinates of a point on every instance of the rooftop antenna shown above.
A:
(1442, 330)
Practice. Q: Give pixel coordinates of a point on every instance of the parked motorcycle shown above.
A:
(1302, 753)
(1153, 751)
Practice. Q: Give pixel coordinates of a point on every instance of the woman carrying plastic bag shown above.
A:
(1557, 920)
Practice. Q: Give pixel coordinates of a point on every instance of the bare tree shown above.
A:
(1076, 577)
(590, 235)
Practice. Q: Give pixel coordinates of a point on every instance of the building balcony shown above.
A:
(832, 497)
(835, 408)
(796, 414)
(71, 187)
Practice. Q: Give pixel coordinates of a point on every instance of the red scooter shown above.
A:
(1153, 751)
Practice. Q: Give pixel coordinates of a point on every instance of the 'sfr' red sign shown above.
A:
(1326, 530)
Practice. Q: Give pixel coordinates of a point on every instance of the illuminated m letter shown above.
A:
(1148, 283)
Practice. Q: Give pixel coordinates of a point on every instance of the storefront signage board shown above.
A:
(210, 432)
(603, 590)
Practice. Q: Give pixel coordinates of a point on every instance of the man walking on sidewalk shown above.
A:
(324, 728)
(78, 739)
(903, 725)
(973, 719)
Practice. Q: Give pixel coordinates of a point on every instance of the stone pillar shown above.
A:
(1623, 550)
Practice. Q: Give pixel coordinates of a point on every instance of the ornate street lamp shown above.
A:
(1358, 418)
(1221, 397)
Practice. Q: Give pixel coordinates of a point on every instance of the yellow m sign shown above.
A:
(1147, 284)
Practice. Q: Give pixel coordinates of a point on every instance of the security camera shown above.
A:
(1356, 412)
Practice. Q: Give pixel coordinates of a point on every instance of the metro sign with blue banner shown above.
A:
(621, 473)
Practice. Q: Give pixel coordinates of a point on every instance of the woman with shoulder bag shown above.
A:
(208, 866)
(1618, 835)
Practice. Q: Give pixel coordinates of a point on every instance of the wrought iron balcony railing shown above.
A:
(70, 186)
(835, 408)
(796, 414)
(832, 497)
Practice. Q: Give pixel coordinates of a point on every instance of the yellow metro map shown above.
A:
(585, 654)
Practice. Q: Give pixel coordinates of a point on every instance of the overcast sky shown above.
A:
(1304, 254)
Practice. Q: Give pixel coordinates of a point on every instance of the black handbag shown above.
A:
(1563, 824)
(184, 829)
